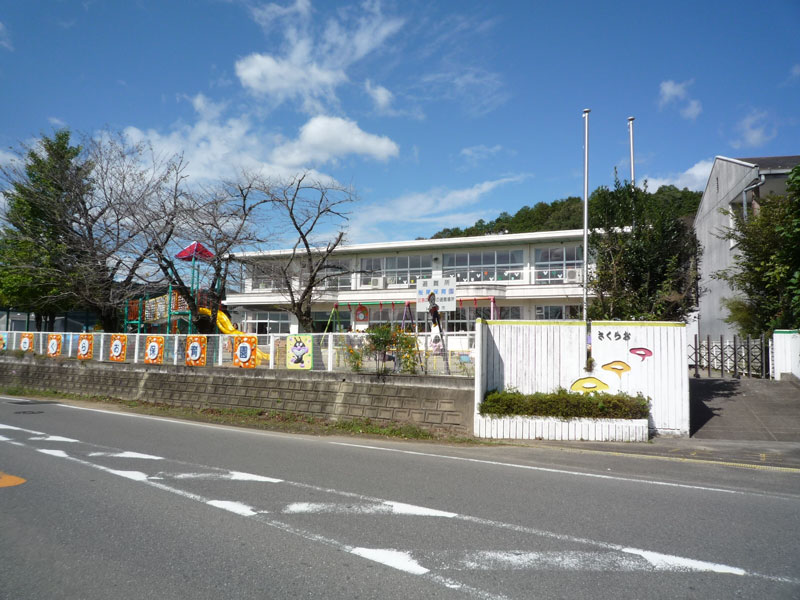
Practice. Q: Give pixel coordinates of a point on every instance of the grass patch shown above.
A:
(564, 404)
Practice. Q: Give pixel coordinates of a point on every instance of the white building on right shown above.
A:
(735, 184)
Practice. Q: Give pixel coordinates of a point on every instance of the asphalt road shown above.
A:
(121, 506)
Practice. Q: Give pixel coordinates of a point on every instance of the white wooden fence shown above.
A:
(541, 356)
(786, 357)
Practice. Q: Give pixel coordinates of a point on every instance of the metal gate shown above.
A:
(735, 357)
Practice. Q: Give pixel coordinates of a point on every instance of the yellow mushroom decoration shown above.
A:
(587, 385)
(618, 366)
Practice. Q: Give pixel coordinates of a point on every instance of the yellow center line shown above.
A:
(7, 480)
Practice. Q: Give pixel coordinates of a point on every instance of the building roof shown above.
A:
(508, 239)
(773, 163)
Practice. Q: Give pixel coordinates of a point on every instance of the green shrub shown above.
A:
(564, 404)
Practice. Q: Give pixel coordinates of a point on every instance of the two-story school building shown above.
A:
(514, 276)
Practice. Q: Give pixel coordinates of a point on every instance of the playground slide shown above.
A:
(225, 326)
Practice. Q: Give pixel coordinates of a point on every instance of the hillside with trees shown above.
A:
(567, 213)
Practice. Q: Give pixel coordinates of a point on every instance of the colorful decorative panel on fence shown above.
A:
(26, 342)
(196, 350)
(154, 350)
(119, 348)
(245, 351)
(299, 352)
(54, 344)
(2, 341)
(85, 346)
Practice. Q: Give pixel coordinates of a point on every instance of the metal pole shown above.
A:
(630, 132)
(586, 112)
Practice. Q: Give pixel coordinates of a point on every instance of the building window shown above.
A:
(558, 312)
(485, 266)
(397, 271)
(322, 318)
(463, 319)
(335, 275)
(267, 277)
(272, 321)
(558, 264)
(381, 315)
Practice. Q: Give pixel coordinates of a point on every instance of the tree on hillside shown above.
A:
(646, 257)
(766, 271)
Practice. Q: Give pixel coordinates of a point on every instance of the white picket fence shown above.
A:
(330, 350)
(631, 357)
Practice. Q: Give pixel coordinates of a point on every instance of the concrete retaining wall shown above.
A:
(433, 403)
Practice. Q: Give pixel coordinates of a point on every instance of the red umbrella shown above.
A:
(195, 250)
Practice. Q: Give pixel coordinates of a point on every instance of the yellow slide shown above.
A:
(225, 326)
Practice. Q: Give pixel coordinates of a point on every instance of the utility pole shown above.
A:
(586, 112)
(630, 132)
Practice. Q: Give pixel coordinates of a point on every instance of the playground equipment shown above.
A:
(225, 326)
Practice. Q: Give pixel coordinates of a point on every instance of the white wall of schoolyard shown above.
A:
(786, 353)
(630, 356)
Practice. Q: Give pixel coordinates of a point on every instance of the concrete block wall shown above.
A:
(433, 403)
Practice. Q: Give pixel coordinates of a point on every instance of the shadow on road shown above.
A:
(704, 396)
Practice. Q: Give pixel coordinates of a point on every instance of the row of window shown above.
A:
(462, 319)
(553, 265)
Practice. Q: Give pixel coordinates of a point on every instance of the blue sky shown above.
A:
(438, 113)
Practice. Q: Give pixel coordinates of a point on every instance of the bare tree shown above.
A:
(312, 212)
(224, 219)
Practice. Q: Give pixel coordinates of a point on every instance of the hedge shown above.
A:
(564, 404)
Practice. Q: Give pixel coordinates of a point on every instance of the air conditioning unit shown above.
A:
(377, 283)
(573, 275)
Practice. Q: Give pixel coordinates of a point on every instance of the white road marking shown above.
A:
(53, 438)
(58, 453)
(127, 455)
(12, 428)
(386, 507)
(396, 559)
(239, 476)
(557, 471)
(234, 507)
(656, 560)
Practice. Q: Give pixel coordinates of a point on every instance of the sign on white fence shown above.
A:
(443, 289)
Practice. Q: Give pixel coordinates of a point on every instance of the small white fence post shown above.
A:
(330, 351)
(271, 351)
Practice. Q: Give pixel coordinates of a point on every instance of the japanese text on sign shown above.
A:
(444, 290)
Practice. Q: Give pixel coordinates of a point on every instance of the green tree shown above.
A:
(35, 262)
(646, 256)
(766, 270)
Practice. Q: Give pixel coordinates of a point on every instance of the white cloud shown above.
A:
(694, 178)
(435, 209)
(312, 64)
(380, 95)
(5, 38)
(323, 139)
(692, 110)
(671, 92)
(56, 122)
(753, 130)
(795, 71)
(475, 154)
(479, 91)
